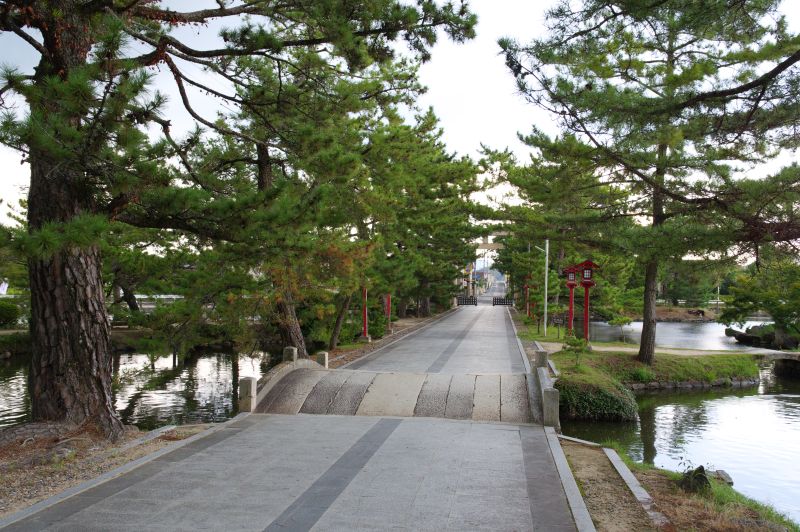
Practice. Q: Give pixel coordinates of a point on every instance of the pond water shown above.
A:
(687, 335)
(753, 434)
(151, 393)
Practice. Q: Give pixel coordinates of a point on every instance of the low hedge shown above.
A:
(588, 394)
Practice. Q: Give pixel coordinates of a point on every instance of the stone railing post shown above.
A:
(322, 359)
(247, 394)
(290, 354)
(550, 408)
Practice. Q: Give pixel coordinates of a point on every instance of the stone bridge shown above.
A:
(437, 431)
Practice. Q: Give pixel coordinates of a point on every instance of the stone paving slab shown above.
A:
(292, 397)
(460, 397)
(514, 399)
(392, 394)
(349, 396)
(432, 398)
(321, 397)
(487, 398)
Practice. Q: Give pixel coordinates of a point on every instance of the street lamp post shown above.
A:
(546, 252)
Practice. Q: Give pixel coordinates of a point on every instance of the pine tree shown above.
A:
(85, 137)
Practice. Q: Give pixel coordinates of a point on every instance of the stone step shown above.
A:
(490, 397)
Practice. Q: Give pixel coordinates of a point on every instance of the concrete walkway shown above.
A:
(394, 462)
(473, 340)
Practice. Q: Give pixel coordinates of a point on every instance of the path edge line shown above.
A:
(44, 504)
(580, 514)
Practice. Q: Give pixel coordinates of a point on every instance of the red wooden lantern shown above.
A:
(586, 271)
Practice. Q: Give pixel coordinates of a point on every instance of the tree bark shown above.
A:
(647, 346)
(289, 325)
(337, 327)
(71, 364)
(402, 308)
(424, 307)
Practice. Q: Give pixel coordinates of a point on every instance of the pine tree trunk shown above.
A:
(71, 364)
(648, 341)
(402, 308)
(70, 376)
(337, 327)
(647, 346)
(424, 307)
(289, 326)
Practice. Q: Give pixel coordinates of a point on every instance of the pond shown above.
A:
(753, 434)
(687, 335)
(150, 393)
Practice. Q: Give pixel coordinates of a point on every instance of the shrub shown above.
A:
(595, 396)
(9, 313)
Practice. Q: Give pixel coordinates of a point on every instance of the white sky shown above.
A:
(469, 86)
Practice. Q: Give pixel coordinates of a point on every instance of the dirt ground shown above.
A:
(612, 506)
(35, 467)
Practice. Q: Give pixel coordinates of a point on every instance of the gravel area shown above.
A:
(34, 468)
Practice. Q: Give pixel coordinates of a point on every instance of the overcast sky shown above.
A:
(469, 86)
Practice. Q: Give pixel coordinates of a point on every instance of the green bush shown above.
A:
(9, 313)
(592, 395)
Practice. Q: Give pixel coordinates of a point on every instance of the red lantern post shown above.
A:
(586, 270)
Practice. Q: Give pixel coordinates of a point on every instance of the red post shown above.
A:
(389, 307)
(571, 307)
(586, 312)
(364, 329)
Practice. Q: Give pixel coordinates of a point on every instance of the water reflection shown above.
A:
(149, 391)
(687, 335)
(753, 434)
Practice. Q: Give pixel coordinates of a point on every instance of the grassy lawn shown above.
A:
(666, 368)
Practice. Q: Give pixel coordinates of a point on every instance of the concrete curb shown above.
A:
(424, 325)
(578, 440)
(109, 475)
(636, 488)
(522, 352)
(583, 521)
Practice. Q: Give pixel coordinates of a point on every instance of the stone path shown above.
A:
(429, 434)
(487, 397)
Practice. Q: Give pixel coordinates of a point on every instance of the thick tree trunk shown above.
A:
(337, 327)
(289, 325)
(70, 376)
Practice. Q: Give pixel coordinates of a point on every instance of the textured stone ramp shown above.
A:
(493, 397)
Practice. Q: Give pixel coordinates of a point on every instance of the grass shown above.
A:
(666, 368)
(722, 505)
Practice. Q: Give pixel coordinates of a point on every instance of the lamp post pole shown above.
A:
(546, 252)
